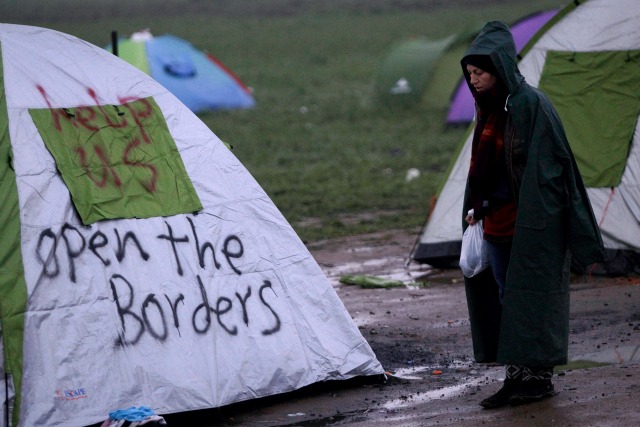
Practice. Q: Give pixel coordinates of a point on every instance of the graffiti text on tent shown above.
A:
(76, 246)
(61, 251)
(91, 118)
(151, 319)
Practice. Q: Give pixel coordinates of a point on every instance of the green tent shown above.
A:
(592, 76)
(419, 68)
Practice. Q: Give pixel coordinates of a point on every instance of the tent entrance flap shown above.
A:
(439, 255)
(583, 86)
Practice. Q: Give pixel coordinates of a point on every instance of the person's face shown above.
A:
(480, 79)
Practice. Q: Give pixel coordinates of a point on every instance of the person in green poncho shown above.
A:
(524, 185)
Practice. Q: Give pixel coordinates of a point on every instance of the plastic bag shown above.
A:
(473, 256)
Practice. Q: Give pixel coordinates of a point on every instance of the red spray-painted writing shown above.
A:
(129, 117)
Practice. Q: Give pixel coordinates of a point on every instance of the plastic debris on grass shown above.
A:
(370, 281)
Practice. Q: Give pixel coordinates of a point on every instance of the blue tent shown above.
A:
(196, 78)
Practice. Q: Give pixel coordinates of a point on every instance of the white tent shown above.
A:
(587, 60)
(140, 263)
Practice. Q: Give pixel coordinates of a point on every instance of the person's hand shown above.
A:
(471, 220)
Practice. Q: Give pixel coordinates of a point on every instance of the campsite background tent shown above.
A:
(408, 68)
(587, 61)
(141, 264)
(462, 106)
(198, 79)
(428, 70)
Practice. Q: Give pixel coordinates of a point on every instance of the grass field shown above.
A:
(330, 155)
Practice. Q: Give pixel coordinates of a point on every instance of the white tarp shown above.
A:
(176, 313)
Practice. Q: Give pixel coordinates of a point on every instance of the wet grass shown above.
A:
(578, 364)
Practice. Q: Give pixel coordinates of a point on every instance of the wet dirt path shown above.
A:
(420, 333)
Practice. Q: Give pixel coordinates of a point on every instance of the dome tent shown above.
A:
(591, 74)
(407, 71)
(198, 79)
(141, 262)
(424, 70)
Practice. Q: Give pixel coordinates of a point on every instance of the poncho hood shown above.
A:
(496, 42)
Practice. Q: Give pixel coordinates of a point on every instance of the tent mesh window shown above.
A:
(597, 95)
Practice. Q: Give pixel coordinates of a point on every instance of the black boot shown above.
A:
(513, 376)
(503, 396)
(535, 386)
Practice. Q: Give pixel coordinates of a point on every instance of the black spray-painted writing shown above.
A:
(59, 252)
(173, 241)
(75, 245)
(149, 316)
(230, 243)
(202, 250)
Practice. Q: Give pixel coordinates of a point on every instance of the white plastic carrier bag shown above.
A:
(473, 255)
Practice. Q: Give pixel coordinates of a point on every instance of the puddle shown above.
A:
(442, 393)
(612, 356)
(369, 267)
(391, 268)
(410, 373)
(627, 354)
(355, 416)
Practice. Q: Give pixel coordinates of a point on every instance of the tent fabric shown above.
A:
(13, 296)
(420, 69)
(585, 100)
(405, 71)
(611, 29)
(179, 312)
(461, 108)
(196, 78)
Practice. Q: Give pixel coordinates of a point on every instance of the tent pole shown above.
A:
(114, 42)
(6, 399)
(415, 244)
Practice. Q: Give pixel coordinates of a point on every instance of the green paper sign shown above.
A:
(118, 161)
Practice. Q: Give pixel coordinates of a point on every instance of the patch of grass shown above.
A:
(341, 226)
(579, 364)
(319, 141)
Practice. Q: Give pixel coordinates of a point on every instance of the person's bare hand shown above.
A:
(470, 220)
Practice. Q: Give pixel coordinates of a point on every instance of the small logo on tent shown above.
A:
(401, 86)
(71, 394)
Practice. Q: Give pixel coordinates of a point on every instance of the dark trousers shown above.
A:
(499, 254)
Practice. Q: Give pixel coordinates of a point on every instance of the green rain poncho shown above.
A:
(554, 222)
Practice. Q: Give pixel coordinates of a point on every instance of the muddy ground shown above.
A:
(421, 334)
